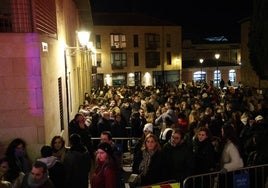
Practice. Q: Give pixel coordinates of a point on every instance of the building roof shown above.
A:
(207, 63)
(128, 19)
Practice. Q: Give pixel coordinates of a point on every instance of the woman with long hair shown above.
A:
(17, 154)
(58, 147)
(148, 163)
(11, 173)
(104, 175)
(231, 155)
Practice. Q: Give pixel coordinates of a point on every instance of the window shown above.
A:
(168, 58)
(98, 42)
(197, 76)
(136, 59)
(152, 59)
(217, 77)
(118, 41)
(168, 41)
(98, 57)
(118, 60)
(232, 75)
(136, 41)
(152, 41)
(119, 79)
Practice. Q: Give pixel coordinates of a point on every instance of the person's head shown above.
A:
(141, 112)
(4, 165)
(183, 104)
(46, 151)
(258, 119)
(118, 117)
(177, 137)
(79, 117)
(203, 133)
(75, 139)
(148, 128)
(16, 148)
(38, 172)
(57, 143)
(112, 103)
(87, 95)
(151, 143)
(104, 152)
(228, 131)
(106, 115)
(106, 136)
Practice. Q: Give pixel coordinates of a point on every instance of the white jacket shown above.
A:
(231, 159)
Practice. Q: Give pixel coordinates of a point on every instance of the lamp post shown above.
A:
(217, 56)
(83, 38)
(201, 61)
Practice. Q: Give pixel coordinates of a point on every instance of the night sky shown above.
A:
(198, 18)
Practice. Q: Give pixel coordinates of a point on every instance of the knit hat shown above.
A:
(148, 127)
(258, 118)
(106, 147)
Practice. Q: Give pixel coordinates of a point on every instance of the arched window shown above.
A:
(198, 76)
(217, 77)
(232, 75)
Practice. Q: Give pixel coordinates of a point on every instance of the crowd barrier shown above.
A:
(166, 184)
(247, 177)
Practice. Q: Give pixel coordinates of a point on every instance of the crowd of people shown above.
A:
(178, 132)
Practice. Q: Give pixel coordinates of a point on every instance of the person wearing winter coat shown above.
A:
(56, 169)
(38, 177)
(178, 158)
(148, 163)
(204, 152)
(104, 175)
(77, 164)
(231, 156)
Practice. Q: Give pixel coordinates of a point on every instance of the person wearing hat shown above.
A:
(104, 175)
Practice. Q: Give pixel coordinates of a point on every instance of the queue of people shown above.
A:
(179, 132)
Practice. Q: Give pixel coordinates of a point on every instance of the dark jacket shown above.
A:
(56, 170)
(179, 162)
(155, 170)
(77, 166)
(204, 156)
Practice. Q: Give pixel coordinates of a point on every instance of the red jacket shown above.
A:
(104, 177)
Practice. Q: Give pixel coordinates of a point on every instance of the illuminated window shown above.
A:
(98, 41)
(98, 57)
(118, 41)
(198, 77)
(232, 75)
(217, 77)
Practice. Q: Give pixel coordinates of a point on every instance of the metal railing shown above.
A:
(247, 177)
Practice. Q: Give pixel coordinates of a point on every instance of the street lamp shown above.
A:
(201, 61)
(83, 38)
(217, 56)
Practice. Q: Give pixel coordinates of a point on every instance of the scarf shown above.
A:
(60, 153)
(146, 160)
